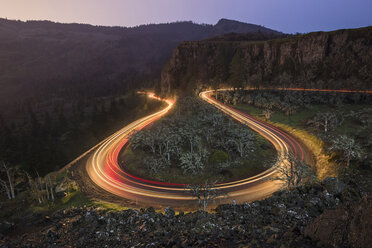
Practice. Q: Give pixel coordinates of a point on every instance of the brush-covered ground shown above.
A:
(194, 143)
(335, 126)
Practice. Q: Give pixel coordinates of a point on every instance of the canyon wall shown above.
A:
(339, 59)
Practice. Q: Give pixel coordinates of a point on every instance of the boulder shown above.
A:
(51, 235)
(333, 185)
(6, 227)
(150, 210)
(169, 212)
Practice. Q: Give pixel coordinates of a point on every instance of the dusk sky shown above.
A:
(288, 16)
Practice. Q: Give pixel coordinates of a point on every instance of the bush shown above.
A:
(218, 157)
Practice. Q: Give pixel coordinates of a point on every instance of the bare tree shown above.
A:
(191, 135)
(49, 188)
(208, 134)
(289, 109)
(325, 121)
(144, 139)
(243, 140)
(350, 150)
(293, 171)
(5, 188)
(204, 193)
(171, 143)
(267, 113)
(36, 193)
(155, 164)
(8, 183)
(37, 189)
(216, 119)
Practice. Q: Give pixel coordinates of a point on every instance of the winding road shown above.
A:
(103, 167)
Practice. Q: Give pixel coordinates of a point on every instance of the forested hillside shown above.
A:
(41, 60)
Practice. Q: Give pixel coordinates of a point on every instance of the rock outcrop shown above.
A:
(333, 185)
(278, 221)
(348, 225)
(332, 60)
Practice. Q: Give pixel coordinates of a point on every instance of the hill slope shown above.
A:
(42, 59)
(339, 59)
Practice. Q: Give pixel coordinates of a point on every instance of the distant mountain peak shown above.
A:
(225, 21)
(241, 27)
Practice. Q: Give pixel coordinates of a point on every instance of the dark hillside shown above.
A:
(42, 59)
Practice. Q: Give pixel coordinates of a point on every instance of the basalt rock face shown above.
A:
(278, 221)
(349, 225)
(334, 60)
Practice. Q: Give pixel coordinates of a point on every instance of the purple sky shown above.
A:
(288, 16)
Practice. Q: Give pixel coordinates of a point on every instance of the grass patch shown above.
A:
(72, 199)
(109, 206)
(324, 167)
(76, 199)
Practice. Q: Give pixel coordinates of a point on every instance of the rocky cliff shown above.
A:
(337, 59)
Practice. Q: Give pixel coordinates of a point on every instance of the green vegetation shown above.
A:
(72, 199)
(218, 157)
(319, 120)
(199, 144)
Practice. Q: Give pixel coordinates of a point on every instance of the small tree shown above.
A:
(7, 184)
(35, 191)
(144, 139)
(190, 134)
(155, 165)
(171, 144)
(267, 113)
(289, 109)
(350, 150)
(204, 193)
(191, 162)
(243, 140)
(293, 171)
(49, 188)
(325, 121)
